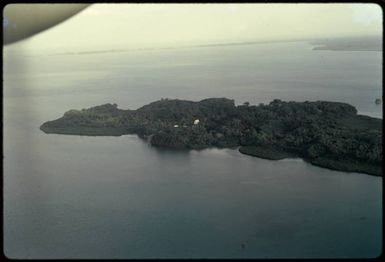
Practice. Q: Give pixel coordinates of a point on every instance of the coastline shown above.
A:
(326, 134)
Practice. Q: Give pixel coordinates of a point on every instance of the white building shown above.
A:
(196, 121)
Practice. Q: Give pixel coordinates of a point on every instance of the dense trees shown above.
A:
(325, 133)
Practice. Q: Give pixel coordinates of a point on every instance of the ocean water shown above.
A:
(118, 197)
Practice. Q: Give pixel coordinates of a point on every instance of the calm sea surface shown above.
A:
(117, 197)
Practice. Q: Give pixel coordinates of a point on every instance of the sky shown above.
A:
(131, 26)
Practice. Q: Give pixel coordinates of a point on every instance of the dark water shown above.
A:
(117, 197)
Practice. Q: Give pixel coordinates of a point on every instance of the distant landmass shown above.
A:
(326, 134)
(356, 43)
(222, 44)
(365, 43)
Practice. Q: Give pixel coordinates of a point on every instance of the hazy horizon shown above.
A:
(134, 26)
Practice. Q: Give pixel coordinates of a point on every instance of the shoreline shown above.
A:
(326, 134)
(263, 152)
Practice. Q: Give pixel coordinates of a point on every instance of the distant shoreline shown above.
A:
(368, 43)
(372, 43)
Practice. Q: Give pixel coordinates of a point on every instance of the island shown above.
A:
(327, 134)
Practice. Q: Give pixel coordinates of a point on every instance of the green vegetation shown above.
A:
(266, 152)
(327, 134)
(348, 166)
